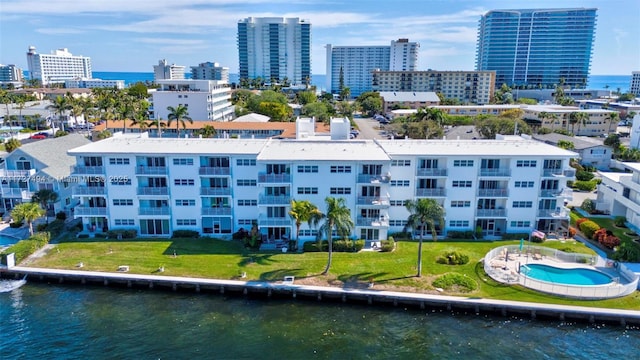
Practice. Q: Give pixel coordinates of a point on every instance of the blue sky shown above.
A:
(132, 35)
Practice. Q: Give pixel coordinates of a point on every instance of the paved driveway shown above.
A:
(368, 128)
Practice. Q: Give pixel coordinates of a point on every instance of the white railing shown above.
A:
(217, 170)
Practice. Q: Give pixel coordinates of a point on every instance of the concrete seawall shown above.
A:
(361, 296)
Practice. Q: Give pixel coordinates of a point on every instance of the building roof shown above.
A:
(252, 117)
(565, 109)
(614, 176)
(579, 142)
(319, 150)
(53, 154)
(632, 165)
(409, 96)
(476, 147)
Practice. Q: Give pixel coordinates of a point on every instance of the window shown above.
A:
(461, 203)
(186, 222)
(402, 183)
(462, 163)
(398, 202)
(307, 190)
(120, 181)
(118, 161)
(400, 162)
(249, 222)
(521, 224)
(459, 223)
(183, 161)
(185, 202)
(340, 169)
(526, 163)
(524, 184)
(247, 202)
(307, 168)
(122, 202)
(246, 162)
(397, 222)
(247, 182)
(340, 190)
(460, 183)
(308, 232)
(184, 182)
(522, 204)
(124, 222)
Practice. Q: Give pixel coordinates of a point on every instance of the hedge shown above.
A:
(573, 217)
(338, 246)
(124, 233)
(585, 185)
(185, 234)
(387, 245)
(453, 257)
(24, 248)
(515, 236)
(588, 228)
(455, 281)
(460, 234)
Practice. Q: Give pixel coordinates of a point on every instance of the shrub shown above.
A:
(387, 245)
(585, 185)
(452, 257)
(574, 217)
(455, 281)
(61, 215)
(310, 246)
(588, 205)
(582, 175)
(537, 239)
(580, 221)
(41, 227)
(185, 234)
(588, 228)
(338, 246)
(16, 224)
(403, 235)
(610, 241)
(55, 227)
(83, 236)
(515, 236)
(100, 235)
(572, 231)
(24, 248)
(123, 233)
(620, 221)
(240, 234)
(627, 251)
(460, 234)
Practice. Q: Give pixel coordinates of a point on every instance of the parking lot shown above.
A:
(369, 128)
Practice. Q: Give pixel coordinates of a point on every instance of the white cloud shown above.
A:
(59, 31)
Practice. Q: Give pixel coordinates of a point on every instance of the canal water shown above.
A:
(41, 321)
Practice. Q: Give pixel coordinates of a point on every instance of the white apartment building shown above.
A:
(476, 87)
(207, 100)
(559, 117)
(210, 71)
(166, 71)
(217, 186)
(11, 74)
(58, 66)
(634, 87)
(82, 83)
(356, 64)
(619, 195)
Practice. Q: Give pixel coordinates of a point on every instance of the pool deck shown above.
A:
(289, 289)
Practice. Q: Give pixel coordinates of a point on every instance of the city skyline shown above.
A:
(133, 36)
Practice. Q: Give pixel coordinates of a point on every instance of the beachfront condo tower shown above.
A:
(275, 49)
(57, 67)
(537, 48)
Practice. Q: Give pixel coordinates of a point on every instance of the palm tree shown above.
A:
(338, 217)
(28, 212)
(579, 118)
(207, 131)
(613, 118)
(179, 114)
(159, 125)
(304, 211)
(423, 213)
(44, 197)
(59, 106)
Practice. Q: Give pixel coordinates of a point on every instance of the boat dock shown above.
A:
(289, 289)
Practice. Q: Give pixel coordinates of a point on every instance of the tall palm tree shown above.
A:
(577, 117)
(44, 197)
(304, 211)
(159, 125)
(28, 212)
(613, 118)
(59, 106)
(179, 114)
(424, 213)
(6, 98)
(338, 218)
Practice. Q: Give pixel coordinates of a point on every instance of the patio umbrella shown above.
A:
(506, 259)
(521, 243)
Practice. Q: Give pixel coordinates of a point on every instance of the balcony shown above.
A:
(16, 174)
(19, 193)
(373, 179)
(437, 192)
(382, 201)
(372, 222)
(491, 213)
(89, 190)
(274, 200)
(207, 170)
(570, 173)
(216, 211)
(213, 191)
(493, 192)
(274, 178)
(558, 213)
(89, 211)
(153, 191)
(273, 221)
(431, 172)
(162, 210)
(87, 170)
(495, 172)
(151, 170)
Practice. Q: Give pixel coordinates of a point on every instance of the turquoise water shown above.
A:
(579, 276)
(7, 240)
(40, 321)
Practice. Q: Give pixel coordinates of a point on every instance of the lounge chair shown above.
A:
(537, 256)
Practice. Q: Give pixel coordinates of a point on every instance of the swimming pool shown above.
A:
(575, 276)
(7, 240)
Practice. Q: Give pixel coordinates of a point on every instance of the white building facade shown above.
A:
(58, 66)
(93, 83)
(619, 195)
(210, 71)
(206, 100)
(166, 71)
(634, 87)
(217, 186)
(11, 74)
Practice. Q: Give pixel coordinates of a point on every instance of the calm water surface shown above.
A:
(40, 321)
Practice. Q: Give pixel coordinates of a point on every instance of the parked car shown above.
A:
(38, 136)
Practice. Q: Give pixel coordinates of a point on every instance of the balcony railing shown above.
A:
(212, 191)
(493, 192)
(374, 222)
(274, 178)
(20, 193)
(16, 174)
(274, 200)
(162, 210)
(216, 211)
(491, 213)
(274, 221)
(207, 170)
(153, 191)
(559, 213)
(89, 190)
(90, 211)
(87, 170)
(437, 192)
(431, 172)
(373, 200)
(495, 172)
(151, 170)
(373, 179)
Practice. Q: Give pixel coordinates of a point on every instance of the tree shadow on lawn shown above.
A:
(361, 280)
(260, 259)
(278, 275)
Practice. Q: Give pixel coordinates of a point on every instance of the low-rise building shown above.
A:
(599, 121)
(592, 151)
(206, 100)
(619, 195)
(410, 99)
(87, 83)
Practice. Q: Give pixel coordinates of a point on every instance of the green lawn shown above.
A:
(396, 270)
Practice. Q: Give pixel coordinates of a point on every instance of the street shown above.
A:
(368, 128)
